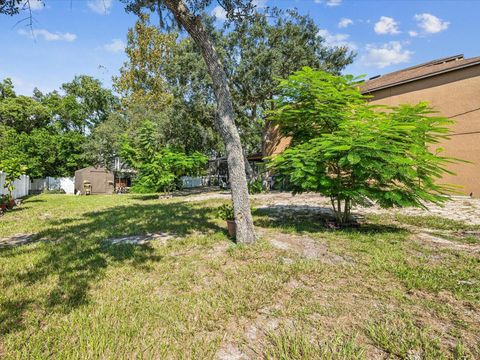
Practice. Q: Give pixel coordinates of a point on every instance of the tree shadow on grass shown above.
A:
(75, 254)
(11, 314)
(182, 193)
(31, 199)
(306, 218)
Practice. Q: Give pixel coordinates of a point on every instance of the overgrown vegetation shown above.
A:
(164, 81)
(159, 168)
(48, 132)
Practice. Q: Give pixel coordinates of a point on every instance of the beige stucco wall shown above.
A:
(274, 143)
(455, 95)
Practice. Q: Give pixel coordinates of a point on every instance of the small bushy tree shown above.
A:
(13, 169)
(159, 168)
(351, 151)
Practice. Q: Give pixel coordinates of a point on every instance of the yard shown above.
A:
(134, 276)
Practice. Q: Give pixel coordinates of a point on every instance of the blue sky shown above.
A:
(87, 36)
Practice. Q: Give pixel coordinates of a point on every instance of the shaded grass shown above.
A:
(74, 295)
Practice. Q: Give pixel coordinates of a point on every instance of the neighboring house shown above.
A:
(123, 173)
(451, 86)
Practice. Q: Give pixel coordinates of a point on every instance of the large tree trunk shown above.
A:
(224, 120)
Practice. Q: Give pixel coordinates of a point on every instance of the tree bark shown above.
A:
(224, 120)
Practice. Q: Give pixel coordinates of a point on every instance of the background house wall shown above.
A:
(274, 143)
(456, 95)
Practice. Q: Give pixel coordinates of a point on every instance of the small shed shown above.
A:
(100, 179)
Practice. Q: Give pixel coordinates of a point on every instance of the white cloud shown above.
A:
(413, 33)
(345, 22)
(35, 5)
(430, 23)
(102, 7)
(386, 25)
(47, 35)
(333, 2)
(219, 13)
(336, 39)
(330, 3)
(385, 55)
(115, 46)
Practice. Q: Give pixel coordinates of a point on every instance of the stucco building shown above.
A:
(451, 86)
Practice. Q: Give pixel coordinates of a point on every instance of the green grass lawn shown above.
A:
(72, 294)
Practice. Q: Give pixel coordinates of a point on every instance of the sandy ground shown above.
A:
(459, 208)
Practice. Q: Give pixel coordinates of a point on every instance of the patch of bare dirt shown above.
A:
(439, 242)
(305, 247)
(217, 250)
(463, 209)
(16, 240)
(231, 352)
(142, 239)
(254, 330)
(222, 195)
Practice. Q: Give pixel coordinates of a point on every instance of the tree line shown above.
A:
(164, 89)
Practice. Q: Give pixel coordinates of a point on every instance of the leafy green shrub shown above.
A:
(351, 151)
(159, 169)
(256, 187)
(4, 199)
(13, 169)
(225, 212)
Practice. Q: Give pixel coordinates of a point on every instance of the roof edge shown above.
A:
(422, 77)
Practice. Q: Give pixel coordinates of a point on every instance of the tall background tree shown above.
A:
(256, 54)
(268, 47)
(48, 132)
(189, 16)
(142, 77)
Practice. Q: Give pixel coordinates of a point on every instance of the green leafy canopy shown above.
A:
(352, 151)
(159, 167)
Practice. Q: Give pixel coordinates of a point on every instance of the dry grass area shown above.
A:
(176, 287)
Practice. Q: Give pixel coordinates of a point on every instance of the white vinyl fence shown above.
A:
(49, 183)
(192, 182)
(22, 186)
